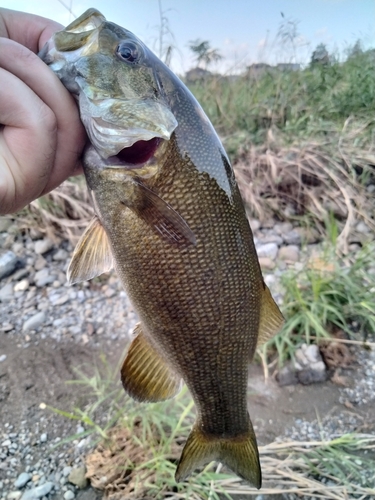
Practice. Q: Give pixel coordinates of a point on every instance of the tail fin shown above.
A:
(240, 454)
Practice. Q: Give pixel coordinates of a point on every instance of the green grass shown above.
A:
(313, 102)
(329, 294)
(137, 447)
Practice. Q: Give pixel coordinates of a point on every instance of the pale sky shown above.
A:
(244, 31)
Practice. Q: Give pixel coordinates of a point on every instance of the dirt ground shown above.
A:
(29, 377)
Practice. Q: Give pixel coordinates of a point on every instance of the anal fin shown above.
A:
(145, 375)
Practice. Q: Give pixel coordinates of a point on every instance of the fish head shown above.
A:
(113, 76)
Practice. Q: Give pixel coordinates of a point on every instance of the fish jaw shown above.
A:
(113, 122)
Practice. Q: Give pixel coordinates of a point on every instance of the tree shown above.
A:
(204, 53)
(320, 55)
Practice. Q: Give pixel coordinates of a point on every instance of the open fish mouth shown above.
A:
(137, 155)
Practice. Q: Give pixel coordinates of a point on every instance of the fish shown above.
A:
(170, 219)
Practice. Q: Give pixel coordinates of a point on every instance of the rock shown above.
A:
(14, 495)
(362, 228)
(289, 253)
(43, 246)
(314, 373)
(266, 263)
(312, 353)
(43, 278)
(43, 437)
(35, 234)
(61, 254)
(6, 292)
(282, 228)
(34, 322)
(267, 250)
(67, 470)
(4, 224)
(20, 274)
(292, 237)
(271, 238)
(254, 224)
(40, 263)
(77, 477)
(7, 327)
(69, 495)
(38, 491)
(3, 357)
(287, 375)
(21, 286)
(8, 263)
(22, 479)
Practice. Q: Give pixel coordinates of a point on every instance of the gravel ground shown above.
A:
(49, 328)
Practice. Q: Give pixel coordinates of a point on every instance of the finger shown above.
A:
(27, 143)
(27, 29)
(70, 133)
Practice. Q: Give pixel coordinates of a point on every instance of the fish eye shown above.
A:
(128, 52)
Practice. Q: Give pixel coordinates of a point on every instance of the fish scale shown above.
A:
(170, 217)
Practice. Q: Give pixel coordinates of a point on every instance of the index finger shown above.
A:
(27, 29)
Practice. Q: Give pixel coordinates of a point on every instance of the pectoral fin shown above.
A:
(162, 217)
(271, 319)
(145, 375)
(92, 255)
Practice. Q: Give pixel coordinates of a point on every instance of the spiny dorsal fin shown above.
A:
(92, 255)
(239, 453)
(145, 375)
(163, 218)
(271, 319)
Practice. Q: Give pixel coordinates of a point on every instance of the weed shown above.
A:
(328, 295)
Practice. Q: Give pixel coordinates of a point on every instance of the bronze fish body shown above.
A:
(170, 217)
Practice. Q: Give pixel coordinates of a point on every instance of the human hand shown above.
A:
(41, 135)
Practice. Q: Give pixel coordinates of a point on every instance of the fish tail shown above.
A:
(239, 453)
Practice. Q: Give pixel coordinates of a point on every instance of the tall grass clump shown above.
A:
(311, 102)
(330, 295)
(135, 449)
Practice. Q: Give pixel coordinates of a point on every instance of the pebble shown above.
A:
(40, 263)
(77, 477)
(69, 495)
(14, 495)
(21, 286)
(43, 437)
(22, 479)
(6, 292)
(8, 263)
(289, 253)
(43, 246)
(38, 492)
(3, 357)
(34, 322)
(267, 250)
(292, 237)
(61, 254)
(266, 263)
(43, 278)
(4, 224)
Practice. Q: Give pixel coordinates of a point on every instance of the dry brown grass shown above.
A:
(316, 179)
(120, 467)
(64, 212)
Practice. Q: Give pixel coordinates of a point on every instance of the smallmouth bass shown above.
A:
(170, 218)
